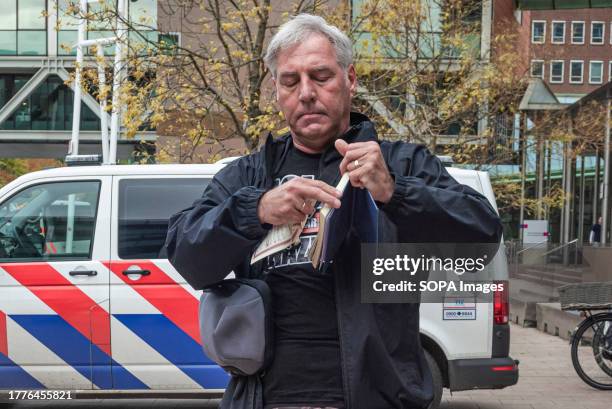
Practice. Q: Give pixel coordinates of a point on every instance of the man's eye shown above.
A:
(322, 78)
(289, 82)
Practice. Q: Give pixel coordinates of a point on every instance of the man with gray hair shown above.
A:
(330, 350)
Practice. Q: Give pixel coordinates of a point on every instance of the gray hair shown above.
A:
(298, 29)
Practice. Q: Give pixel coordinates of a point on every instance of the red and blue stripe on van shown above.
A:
(63, 333)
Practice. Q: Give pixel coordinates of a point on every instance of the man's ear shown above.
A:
(352, 78)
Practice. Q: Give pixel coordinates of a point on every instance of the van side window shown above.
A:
(145, 205)
(51, 221)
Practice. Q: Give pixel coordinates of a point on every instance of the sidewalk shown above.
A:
(546, 379)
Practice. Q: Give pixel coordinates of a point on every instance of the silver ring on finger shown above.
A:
(356, 163)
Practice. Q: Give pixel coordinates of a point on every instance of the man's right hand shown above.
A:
(291, 202)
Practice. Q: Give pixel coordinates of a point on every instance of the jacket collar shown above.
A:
(361, 129)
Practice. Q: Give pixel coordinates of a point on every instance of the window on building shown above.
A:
(577, 32)
(538, 32)
(558, 32)
(596, 72)
(142, 14)
(31, 27)
(67, 29)
(610, 71)
(537, 68)
(8, 28)
(23, 27)
(8, 17)
(145, 206)
(598, 29)
(556, 71)
(48, 108)
(576, 72)
(30, 14)
(32, 42)
(169, 41)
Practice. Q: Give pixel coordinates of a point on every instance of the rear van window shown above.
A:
(145, 206)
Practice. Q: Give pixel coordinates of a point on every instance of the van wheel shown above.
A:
(436, 374)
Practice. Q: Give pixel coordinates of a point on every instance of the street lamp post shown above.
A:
(109, 143)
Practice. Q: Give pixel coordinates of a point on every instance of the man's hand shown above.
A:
(367, 168)
(291, 202)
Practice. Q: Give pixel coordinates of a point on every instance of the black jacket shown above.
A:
(383, 365)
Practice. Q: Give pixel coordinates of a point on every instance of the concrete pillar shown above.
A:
(523, 173)
(606, 177)
(51, 32)
(563, 187)
(581, 203)
(568, 193)
(540, 175)
(596, 186)
(548, 172)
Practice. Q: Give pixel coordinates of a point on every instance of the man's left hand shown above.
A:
(367, 168)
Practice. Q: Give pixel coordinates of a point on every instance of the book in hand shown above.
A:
(357, 209)
(278, 238)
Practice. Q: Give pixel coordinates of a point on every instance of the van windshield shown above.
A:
(52, 220)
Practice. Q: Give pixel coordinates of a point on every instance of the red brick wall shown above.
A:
(568, 51)
(504, 21)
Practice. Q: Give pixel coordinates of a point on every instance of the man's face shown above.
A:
(314, 92)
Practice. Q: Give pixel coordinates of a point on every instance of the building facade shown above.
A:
(36, 59)
(571, 50)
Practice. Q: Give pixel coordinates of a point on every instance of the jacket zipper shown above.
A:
(345, 383)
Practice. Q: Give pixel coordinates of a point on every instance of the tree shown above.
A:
(11, 169)
(210, 89)
(422, 74)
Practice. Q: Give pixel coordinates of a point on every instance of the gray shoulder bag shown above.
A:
(236, 325)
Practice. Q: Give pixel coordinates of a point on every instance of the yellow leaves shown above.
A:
(240, 55)
(508, 196)
(228, 26)
(216, 67)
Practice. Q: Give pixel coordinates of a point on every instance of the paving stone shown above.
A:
(546, 379)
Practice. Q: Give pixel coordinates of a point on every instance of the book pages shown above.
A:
(277, 239)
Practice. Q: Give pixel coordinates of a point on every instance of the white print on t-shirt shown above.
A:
(297, 254)
(287, 178)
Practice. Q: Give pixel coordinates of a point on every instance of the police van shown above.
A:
(90, 304)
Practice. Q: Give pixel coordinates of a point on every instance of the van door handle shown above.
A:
(84, 273)
(141, 272)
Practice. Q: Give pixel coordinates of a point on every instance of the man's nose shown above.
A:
(307, 91)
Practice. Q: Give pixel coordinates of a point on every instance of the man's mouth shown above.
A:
(310, 115)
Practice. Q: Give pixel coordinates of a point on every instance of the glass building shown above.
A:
(36, 59)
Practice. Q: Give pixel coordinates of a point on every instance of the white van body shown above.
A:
(87, 303)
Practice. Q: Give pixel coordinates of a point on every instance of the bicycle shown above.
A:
(592, 349)
(592, 339)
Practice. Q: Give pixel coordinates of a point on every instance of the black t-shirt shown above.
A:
(306, 366)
